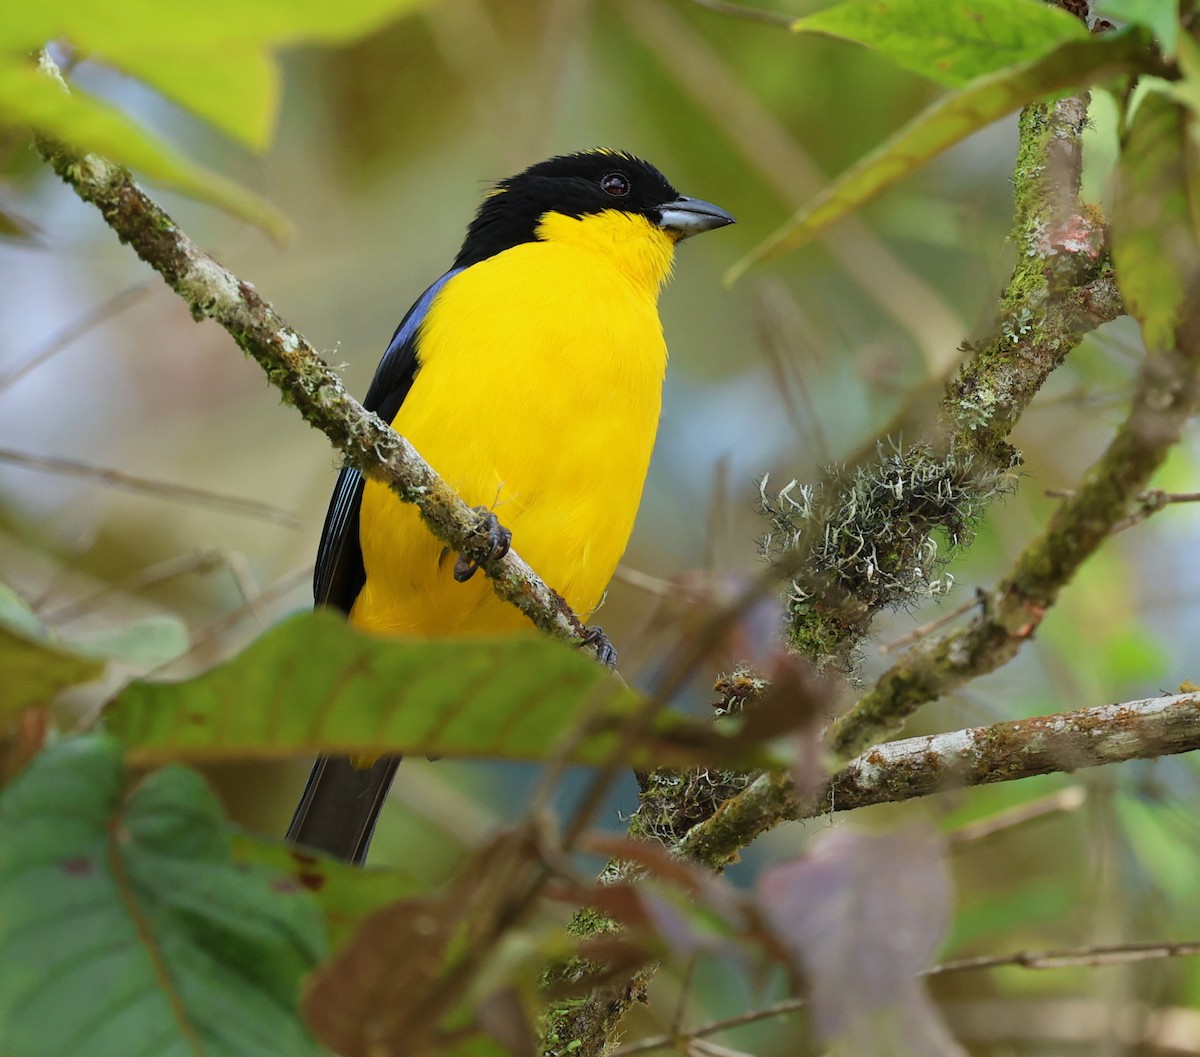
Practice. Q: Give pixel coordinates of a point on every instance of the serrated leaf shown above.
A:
(28, 98)
(1155, 234)
(941, 126)
(312, 684)
(949, 41)
(346, 894)
(861, 916)
(1161, 17)
(36, 671)
(126, 926)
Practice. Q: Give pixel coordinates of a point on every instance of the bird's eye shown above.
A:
(615, 184)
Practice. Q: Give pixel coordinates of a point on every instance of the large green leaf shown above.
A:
(947, 122)
(215, 59)
(949, 41)
(1155, 229)
(312, 684)
(126, 927)
(31, 99)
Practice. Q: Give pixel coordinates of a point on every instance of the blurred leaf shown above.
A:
(313, 684)
(367, 1001)
(34, 672)
(15, 226)
(347, 894)
(28, 98)
(1161, 17)
(126, 926)
(17, 616)
(142, 643)
(215, 59)
(861, 916)
(1156, 240)
(949, 41)
(941, 126)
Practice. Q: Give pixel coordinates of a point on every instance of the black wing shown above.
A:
(339, 574)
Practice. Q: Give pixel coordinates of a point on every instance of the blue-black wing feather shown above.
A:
(339, 574)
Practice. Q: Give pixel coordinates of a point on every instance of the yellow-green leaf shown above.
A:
(31, 99)
(312, 684)
(949, 41)
(1155, 229)
(947, 122)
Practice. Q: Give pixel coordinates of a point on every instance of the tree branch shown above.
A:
(293, 366)
(1168, 393)
(914, 767)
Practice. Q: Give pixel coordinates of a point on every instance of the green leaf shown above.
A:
(126, 926)
(949, 41)
(312, 684)
(216, 59)
(347, 895)
(29, 98)
(1161, 17)
(941, 126)
(35, 666)
(1155, 235)
(34, 672)
(144, 643)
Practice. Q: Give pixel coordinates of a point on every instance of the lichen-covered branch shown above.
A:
(1168, 393)
(866, 538)
(914, 767)
(293, 366)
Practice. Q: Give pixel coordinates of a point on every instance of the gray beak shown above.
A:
(690, 216)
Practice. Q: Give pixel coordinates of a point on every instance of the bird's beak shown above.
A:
(689, 216)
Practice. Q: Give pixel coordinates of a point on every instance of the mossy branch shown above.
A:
(1168, 393)
(306, 381)
(915, 767)
(866, 538)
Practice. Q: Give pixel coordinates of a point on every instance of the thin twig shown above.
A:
(91, 319)
(924, 630)
(179, 493)
(1070, 799)
(181, 565)
(1084, 957)
(1146, 504)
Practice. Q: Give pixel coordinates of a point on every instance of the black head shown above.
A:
(578, 184)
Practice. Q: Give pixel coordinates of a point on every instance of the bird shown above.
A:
(530, 377)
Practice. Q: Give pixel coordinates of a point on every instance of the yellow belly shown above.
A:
(538, 395)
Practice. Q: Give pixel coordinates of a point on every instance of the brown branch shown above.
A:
(915, 767)
(293, 366)
(1084, 957)
(1168, 393)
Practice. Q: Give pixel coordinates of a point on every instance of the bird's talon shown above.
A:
(606, 654)
(499, 540)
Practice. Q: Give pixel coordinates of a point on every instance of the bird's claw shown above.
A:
(499, 539)
(606, 654)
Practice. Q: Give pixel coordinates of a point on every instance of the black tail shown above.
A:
(340, 804)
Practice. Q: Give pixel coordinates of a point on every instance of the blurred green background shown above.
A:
(383, 151)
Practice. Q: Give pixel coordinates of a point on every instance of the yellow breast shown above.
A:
(538, 395)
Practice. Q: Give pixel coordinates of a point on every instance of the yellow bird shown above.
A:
(530, 377)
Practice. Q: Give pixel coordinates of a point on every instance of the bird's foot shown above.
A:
(606, 654)
(499, 539)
